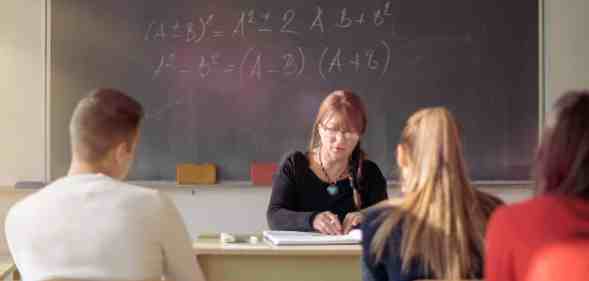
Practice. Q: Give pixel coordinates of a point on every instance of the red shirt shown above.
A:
(519, 234)
(567, 261)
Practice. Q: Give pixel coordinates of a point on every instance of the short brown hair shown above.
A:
(101, 120)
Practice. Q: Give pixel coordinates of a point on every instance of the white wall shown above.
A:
(242, 209)
(22, 104)
(233, 209)
(566, 47)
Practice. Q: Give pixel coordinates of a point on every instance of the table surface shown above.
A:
(211, 245)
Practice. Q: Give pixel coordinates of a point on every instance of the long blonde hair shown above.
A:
(442, 216)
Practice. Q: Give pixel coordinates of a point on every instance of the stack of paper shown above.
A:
(311, 238)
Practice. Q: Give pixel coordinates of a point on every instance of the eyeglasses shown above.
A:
(332, 132)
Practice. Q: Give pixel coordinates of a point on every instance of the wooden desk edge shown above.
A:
(217, 248)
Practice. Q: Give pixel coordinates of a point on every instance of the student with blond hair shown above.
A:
(436, 230)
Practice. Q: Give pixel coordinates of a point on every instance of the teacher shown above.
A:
(324, 188)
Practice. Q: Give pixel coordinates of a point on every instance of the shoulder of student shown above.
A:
(143, 193)
(377, 212)
(540, 206)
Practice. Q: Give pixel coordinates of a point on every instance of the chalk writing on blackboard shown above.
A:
(291, 63)
(256, 62)
(195, 30)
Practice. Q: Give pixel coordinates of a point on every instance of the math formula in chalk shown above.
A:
(248, 58)
(254, 64)
(247, 23)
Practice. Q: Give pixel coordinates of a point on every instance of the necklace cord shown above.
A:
(325, 171)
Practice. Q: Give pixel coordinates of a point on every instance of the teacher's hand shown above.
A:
(327, 223)
(351, 220)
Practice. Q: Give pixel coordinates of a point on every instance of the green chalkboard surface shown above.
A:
(231, 82)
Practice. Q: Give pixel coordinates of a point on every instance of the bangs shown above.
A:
(345, 119)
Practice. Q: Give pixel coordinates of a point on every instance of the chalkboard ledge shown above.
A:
(509, 191)
(173, 184)
(485, 185)
(393, 186)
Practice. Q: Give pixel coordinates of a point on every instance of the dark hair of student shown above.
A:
(562, 165)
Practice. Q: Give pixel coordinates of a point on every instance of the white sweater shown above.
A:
(94, 227)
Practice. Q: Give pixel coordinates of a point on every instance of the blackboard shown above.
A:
(232, 82)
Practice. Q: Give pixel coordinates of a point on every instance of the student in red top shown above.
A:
(553, 262)
(518, 235)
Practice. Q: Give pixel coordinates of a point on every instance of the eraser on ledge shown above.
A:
(227, 238)
(29, 184)
(262, 173)
(254, 240)
(196, 173)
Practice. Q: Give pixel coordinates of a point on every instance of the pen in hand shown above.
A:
(327, 223)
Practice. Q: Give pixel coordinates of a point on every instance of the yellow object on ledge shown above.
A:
(196, 173)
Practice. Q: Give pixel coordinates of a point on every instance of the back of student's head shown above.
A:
(440, 210)
(102, 120)
(563, 156)
(433, 150)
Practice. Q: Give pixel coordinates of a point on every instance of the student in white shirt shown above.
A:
(90, 224)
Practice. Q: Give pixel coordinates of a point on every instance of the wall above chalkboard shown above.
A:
(236, 82)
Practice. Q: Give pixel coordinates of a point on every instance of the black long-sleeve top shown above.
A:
(298, 194)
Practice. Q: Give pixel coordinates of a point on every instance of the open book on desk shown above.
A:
(278, 237)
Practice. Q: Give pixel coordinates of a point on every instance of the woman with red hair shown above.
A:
(324, 188)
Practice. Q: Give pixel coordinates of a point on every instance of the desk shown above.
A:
(245, 262)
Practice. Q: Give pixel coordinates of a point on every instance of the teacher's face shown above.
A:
(337, 141)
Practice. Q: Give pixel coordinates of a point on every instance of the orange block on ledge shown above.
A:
(262, 173)
(196, 173)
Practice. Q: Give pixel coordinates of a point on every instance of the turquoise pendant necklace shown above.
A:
(332, 188)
